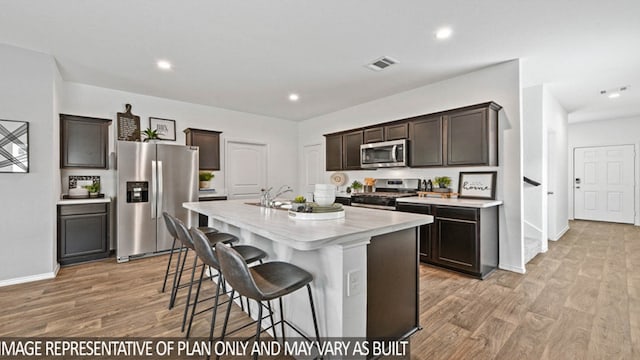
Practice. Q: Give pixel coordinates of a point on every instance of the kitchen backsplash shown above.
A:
(83, 180)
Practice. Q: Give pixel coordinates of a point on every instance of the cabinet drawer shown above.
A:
(413, 208)
(457, 213)
(83, 209)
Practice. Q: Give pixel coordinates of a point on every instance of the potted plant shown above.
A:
(356, 186)
(150, 135)
(443, 184)
(93, 189)
(298, 202)
(205, 179)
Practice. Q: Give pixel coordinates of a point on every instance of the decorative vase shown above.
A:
(205, 184)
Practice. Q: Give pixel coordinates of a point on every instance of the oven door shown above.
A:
(383, 154)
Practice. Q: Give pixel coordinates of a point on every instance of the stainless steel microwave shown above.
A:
(384, 154)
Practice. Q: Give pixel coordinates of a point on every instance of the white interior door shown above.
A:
(246, 164)
(313, 168)
(604, 183)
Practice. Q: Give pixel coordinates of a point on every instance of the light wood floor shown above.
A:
(580, 300)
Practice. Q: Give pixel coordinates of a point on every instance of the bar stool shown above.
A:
(187, 243)
(172, 231)
(207, 255)
(264, 282)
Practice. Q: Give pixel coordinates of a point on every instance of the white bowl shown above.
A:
(324, 193)
(324, 200)
(325, 187)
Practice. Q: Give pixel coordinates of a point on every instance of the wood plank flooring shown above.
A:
(580, 300)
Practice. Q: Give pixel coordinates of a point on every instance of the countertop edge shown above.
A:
(472, 203)
(104, 200)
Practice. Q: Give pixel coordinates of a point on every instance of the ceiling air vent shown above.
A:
(381, 64)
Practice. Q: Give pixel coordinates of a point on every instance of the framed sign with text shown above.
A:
(165, 128)
(477, 185)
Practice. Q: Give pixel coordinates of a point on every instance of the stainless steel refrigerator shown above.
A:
(152, 178)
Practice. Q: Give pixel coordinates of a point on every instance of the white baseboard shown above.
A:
(559, 235)
(518, 269)
(30, 278)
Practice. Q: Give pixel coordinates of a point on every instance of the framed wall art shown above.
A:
(14, 146)
(165, 128)
(477, 185)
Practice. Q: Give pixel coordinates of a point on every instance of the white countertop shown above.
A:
(105, 199)
(276, 224)
(474, 203)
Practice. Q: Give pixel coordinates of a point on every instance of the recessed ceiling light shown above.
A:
(443, 33)
(614, 95)
(164, 65)
(294, 97)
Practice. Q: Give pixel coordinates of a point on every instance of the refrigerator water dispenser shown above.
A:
(137, 191)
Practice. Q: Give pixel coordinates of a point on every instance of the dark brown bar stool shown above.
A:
(207, 255)
(172, 231)
(264, 282)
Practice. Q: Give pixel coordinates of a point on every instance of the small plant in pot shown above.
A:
(443, 183)
(93, 189)
(150, 135)
(205, 179)
(356, 186)
(298, 203)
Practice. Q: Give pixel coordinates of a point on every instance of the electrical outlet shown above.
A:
(354, 282)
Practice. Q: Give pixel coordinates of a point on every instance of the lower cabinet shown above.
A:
(460, 238)
(83, 232)
(343, 200)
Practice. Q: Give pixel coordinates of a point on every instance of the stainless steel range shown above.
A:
(385, 194)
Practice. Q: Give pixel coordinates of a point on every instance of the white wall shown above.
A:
(499, 83)
(535, 165)
(280, 135)
(28, 212)
(556, 123)
(603, 133)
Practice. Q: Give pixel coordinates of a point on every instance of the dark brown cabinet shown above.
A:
(396, 132)
(83, 232)
(425, 251)
(472, 137)
(351, 150)
(466, 239)
(374, 135)
(333, 152)
(425, 134)
(83, 142)
(209, 143)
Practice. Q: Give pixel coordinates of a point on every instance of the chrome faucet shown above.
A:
(265, 195)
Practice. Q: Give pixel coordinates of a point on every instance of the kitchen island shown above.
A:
(365, 265)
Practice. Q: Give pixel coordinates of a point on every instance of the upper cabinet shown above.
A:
(343, 151)
(209, 143)
(472, 136)
(83, 142)
(375, 134)
(425, 146)
(386, 133)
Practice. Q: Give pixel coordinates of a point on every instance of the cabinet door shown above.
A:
(351, 154)
(333, 149)
(426, 141)
(83, 142)
(82, 235)
(426, 252)
(457, 238)
(373, 135)
(467, 138)
(396, 132)
(209, 144)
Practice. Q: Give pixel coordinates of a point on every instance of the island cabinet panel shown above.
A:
(471, 137)
(396, 132)
(375, 134)
(466, 239)
(351, 150)
(425, 134)
(426, 252)
(83, 142)
(83, 233)
(208, 142)
(333, 149)
(392, 285)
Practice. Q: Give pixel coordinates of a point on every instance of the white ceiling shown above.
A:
(249, 55)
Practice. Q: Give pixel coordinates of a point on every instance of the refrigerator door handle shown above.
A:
(159, 189)
(154, 189)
